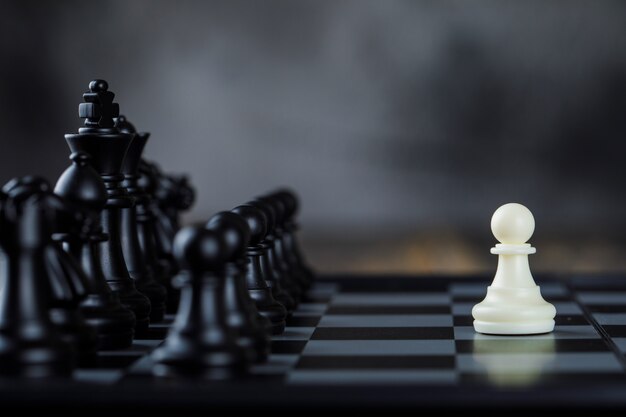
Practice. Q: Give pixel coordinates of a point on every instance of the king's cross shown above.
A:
(98, 109)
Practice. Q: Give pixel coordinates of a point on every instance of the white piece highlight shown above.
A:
(513, 304)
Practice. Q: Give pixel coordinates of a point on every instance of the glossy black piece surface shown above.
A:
(140, 267)
(201, 343)
(258, 288)
(292, 252)
(267, 258)
(81, 186)
(242, 314)
(108, 147)
(30, 344)
(68, 284)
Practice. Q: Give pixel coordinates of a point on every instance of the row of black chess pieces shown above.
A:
(91, 262)
(242, 275)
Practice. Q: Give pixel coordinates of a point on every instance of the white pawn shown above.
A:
(513, 304)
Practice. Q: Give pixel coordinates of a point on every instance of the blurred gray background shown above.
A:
(396, 121)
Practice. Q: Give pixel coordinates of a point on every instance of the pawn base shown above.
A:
(264, 322)
(514, 328)
(114, 324)
(138, 304)
(513, 311)
(273, 312)
(157, 295)
(283, 298)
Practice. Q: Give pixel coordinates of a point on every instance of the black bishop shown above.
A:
(82, 188)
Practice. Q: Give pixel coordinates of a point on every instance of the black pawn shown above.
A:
(107, 147)
(142, 271)
(30, 345)
(200, 343)
(292, 248)
(156, 242)
(258, 288)
(292, 280)
(68, 283)
(271, 272)
(242, 313)
(81, 186)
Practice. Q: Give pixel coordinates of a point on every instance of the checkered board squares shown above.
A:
(113, 365)
(287, 348)
(427, 338)
(355, 337)
(574, 350)
(381, 338)
(608, 308)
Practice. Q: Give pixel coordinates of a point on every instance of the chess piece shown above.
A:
(242, 313)
(289, 279)
(154, 240)
(137, 263)
(272, 274)
(171, 195)
(30, 345)
(513, 304)
(174, 194)
(258, 288)
(200, 343)
(81, 186)
(68, 283)
(289, 265)
(107, 147)
(292, 250)
(65, 309)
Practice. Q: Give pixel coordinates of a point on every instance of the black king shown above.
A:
(108, 146)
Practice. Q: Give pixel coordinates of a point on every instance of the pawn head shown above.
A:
(289, 200)
(268, 211)
(278, 206)
(257, 222)
(235, 231)
(198, 250)
(512, 223)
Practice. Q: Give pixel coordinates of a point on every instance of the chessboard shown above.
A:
(385, 342)
(108, 303)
